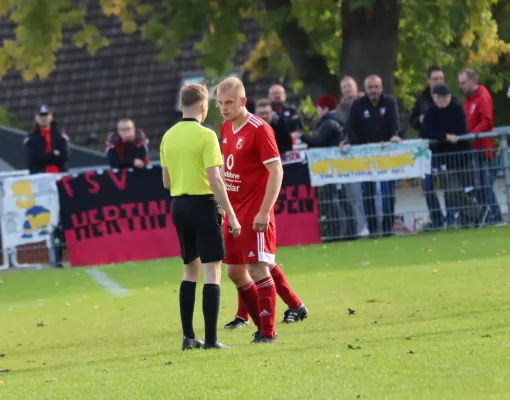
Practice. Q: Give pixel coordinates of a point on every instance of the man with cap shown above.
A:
(48, 152)
(46, 146)
(444, 121)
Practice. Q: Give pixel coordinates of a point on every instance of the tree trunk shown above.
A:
(311, 66)
(370, 41)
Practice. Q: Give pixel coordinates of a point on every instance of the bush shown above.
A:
(5, 117)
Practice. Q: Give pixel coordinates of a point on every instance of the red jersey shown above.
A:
(246, 150)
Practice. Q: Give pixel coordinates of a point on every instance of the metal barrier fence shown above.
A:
(466, 189)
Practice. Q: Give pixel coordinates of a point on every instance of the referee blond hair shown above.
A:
(191, 160)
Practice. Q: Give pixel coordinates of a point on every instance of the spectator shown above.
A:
(47, 148)
(290, 114)
(479, 110)
(48, 152)
(329, 130)
(374, 118)
(349, 92)
(329, 133)
(435, 77)
(127, 147)
(282, 132)
(444, 121)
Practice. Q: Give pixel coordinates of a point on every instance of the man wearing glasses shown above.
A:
(127, 147)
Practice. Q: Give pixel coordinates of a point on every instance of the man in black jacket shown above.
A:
(47, 148)
(281, 130)
(329, 130)
(374, 118)
(48, 152)
(435, 77)
(290, 114)
(127, 147)
(443, 122)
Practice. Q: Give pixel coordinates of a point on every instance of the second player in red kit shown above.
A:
(253, 176)
(246, 151)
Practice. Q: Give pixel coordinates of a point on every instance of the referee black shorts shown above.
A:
(198, 221)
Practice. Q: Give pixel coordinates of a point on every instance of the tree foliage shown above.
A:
(451, 33)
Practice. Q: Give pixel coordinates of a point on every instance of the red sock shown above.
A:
(267, 306)
(242, 311)
(251, 300)
(283, 288)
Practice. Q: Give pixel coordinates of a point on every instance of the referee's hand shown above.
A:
(235, 226)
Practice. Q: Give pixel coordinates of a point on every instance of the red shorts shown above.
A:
(250, 246)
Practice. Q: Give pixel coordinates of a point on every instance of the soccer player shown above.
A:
(253, 176)
(191, 161)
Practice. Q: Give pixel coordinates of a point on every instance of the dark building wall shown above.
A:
(89, 93)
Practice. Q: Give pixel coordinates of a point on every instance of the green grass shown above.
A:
(432, 322)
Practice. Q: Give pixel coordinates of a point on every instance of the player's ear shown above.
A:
(182, 108)
(244, 100)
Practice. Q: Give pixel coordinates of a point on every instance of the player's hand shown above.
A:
(235, 226)
(56, 152)
(396, 139)
(344, 147)
(261, 222)
(138, 163)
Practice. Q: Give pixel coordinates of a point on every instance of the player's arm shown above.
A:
(270, 157)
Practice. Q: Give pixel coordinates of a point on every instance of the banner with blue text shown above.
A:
(369, 162)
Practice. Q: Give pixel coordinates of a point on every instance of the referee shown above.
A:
(191, 161)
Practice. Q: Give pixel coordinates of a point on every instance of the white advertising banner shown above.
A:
(369, 163)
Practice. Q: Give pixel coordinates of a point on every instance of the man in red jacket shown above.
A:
(480, 118)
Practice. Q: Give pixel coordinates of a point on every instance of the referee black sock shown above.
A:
(211, 309)
(187, 303)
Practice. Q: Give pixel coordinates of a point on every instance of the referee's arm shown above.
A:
(213, 163)
(164, 168)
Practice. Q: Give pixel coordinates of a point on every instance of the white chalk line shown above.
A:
(105, 281)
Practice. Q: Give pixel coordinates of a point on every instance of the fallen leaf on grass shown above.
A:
(51, 380)
(2, 355)
(435, 271)
(375, 322)
(372, 301)
(5, 370)
(96, 307)
(351, 311)
(351, 347)
(486, 293)
(41, 324)
(411, 352)
(486, 336)
(408, 338)
(398, 358)
(169, 363)
(1, 382)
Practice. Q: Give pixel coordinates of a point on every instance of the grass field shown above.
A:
(432, 322)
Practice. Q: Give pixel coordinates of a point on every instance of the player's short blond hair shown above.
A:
(193, 94)
(230, 84)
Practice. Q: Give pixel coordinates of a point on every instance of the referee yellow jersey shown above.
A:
(187, 150)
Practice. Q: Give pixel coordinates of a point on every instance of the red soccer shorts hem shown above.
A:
(250, 246)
